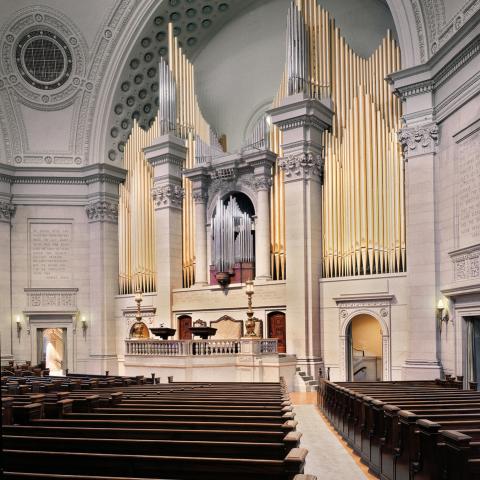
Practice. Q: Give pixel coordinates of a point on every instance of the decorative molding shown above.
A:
(375, 305)
(102, 211)
(426, 137)
(466, 263)
(7, 211)
(200, 195)
(51, 299)
(168, 195)
(262, 182)
(302, 165)
(36, 18)
(303, 121)
(413, 89)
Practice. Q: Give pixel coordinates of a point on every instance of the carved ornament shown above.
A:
(102, 211)
(168, 196)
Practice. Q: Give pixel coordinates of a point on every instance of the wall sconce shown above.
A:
(83, 321)
(442, 313)
(18, 321)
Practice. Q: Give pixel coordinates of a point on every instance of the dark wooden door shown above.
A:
(277, 329)
(184, 323)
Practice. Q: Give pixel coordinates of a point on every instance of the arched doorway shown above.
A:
(364, 349)
(51, 349)
(184, 324)
(277, 329)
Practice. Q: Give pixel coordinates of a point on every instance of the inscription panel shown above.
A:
(468, 190)
(50, 254)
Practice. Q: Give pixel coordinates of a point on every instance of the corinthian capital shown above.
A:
(262, 183)
(7, 211)
(102, 211)
(303, 165)
(419, 139)
(168, 195)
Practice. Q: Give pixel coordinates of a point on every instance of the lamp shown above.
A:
(442, 313)
(18, 321)
(83, 320)
(250, 323)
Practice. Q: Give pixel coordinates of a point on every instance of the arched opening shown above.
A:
(364, 349)
(233, 239)
(52, 349)
(277, 328)
(184, 324)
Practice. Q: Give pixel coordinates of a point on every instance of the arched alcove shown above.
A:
(364, 349)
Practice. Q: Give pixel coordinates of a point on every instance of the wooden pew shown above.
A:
(151, 466)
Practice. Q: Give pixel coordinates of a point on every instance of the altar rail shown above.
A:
(174, 348)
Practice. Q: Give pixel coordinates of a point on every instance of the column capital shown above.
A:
(102, 211)
(167, 195)
(302, 166)
(419, 139)
(7, 211)
(200, 178)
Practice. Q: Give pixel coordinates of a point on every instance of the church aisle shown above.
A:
(327, 458)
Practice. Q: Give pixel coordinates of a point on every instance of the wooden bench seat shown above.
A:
(287, 426)
(154, 466)
(101, 431)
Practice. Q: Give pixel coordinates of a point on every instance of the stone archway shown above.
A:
(379, 307)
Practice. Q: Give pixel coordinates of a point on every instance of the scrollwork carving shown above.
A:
(262, 183)
(168, 196)
(7, 211)
(424, 136)
(301, 165)
(102, 211)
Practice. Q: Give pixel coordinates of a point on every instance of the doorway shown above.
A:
(473, 349)
(364, 349)
(277, 329)
(51, 349)
(184, 324)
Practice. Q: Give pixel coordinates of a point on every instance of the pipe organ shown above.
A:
(178, 113)
(363, 201)
(363, 204)
(232, 235)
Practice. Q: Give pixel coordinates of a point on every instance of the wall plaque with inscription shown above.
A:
(50, 254)
(468, 190)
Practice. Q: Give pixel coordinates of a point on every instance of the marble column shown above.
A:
(262, 163)
(420, 142)
(200, 181)
(302, 121)
(7, 210)
(102, 213)
(167, 156)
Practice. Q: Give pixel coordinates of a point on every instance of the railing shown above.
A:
(174, 348)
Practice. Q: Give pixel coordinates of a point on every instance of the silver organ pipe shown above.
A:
(260, 136)
(205, 152)
(167, 108)
(232, 236)
(297, 51)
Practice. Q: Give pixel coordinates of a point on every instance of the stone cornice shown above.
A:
(431, 75)
(96, 173)
(301, 111)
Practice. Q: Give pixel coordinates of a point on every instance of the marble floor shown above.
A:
(329, 458)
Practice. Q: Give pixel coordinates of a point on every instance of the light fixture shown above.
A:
(18, 321)
(442, 313)
(83, 321)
